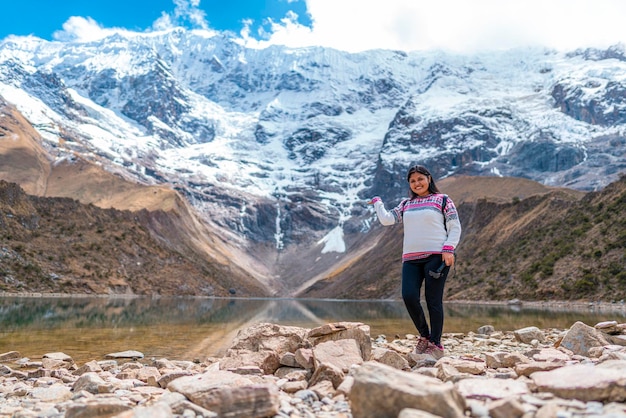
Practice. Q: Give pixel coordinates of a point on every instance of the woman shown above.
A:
(431, 234)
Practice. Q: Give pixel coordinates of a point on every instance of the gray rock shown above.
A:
(486, 329)
(132, 354)
(97, 408)
(165, 379)
(9, 356)
(90, 366)
(344, 330)
(485, 377)
(528, 334)
(179, 404)
(506, 408)
(580, 338)
(289, 359)
(500, 359)
(266, 360)
(270, 337)
(54, 393)
(90, 382)
(390, 358)
(340, 353)
(304, 358)
(229, 394)
(382, 391)
(491, 388)
(327, 372)
(158, 410)
(585, 382)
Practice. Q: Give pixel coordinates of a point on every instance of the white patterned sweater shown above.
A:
(424, 230)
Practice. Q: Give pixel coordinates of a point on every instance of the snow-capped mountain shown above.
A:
(283, 146)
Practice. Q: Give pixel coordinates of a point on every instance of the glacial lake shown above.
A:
(177, 328)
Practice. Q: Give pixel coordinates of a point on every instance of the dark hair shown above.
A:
(432, 187)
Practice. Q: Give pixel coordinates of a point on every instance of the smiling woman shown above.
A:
(432, 231)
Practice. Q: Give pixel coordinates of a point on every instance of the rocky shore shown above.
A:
(338, 370)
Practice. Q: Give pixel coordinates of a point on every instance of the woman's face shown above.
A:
(418, 183)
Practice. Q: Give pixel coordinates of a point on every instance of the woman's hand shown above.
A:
(448, 258)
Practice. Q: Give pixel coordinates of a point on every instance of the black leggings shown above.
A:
(413, 274)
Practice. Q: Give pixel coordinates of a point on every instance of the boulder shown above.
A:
(132, 354)
(270, 337)
(580, 338)
(9, 356)
(390, 358)
(491, 388)
(585, 382)
(97, 408)
(92, 383)
(266, 360)
(383, 391)
(229, 394)
(341, 353)
(344, 330)
(528, 334)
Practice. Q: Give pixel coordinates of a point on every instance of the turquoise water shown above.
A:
(88, 328)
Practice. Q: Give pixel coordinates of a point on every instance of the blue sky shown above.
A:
(43, 18)
(350, 25)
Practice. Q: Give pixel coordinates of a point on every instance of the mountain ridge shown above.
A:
(277, 149)
(175, 228)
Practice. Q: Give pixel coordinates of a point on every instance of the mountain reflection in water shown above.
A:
(88, 328)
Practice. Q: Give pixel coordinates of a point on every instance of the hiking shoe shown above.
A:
(434, 350)
(421, 346)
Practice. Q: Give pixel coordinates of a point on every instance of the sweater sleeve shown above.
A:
(453, 225)
(386, 217)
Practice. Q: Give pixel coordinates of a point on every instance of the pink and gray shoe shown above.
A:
(421, 346)
(436, 351)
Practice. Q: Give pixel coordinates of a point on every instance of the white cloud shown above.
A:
(285, 32)
(83, 29)
(80, 29)
(456, 25)
(186, 13)
(163, 23)
(187, 10)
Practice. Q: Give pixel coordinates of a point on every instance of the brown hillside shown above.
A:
(495, 189)
(553, 244)
(58, 245)
(545, 247)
